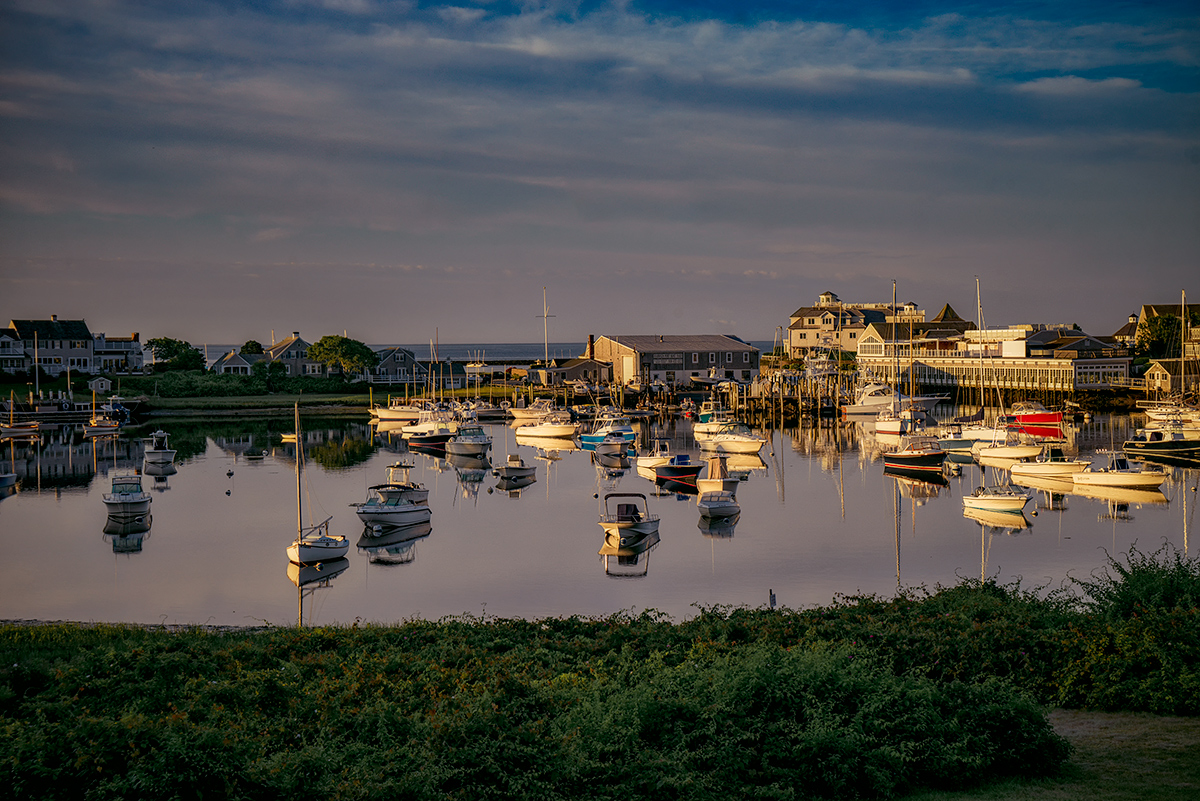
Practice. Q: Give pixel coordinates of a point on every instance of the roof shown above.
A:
(283, 345)
(1155, 309)
(947, 315)
(673, 344)
(1171, 366)
(51, 329)
(1127, 331)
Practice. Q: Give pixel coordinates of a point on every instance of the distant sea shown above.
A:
(491, 353)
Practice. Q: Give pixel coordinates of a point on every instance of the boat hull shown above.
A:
(322, 549)
(996, 503)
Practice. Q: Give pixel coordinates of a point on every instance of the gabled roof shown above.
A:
(51, 329)
(284, 345)
(233, 357)
(947, 315)
(689, 342)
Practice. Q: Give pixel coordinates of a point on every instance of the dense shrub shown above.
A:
(865, 698)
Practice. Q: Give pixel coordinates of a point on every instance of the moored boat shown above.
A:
(515, 468)
(917, 453)
(626, 517)
(469, 440)
(157, 450)
(313, 543)
(1004, 498)
(1119, 473)
(1053, 461)
(718, 504)
(127, 499)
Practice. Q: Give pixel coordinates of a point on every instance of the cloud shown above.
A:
(1072, 85)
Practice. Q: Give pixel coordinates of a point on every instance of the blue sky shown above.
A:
(214, 171)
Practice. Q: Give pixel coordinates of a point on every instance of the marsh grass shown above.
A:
(865, 698)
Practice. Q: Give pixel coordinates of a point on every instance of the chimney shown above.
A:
(591, 348)
(54, 318)
(296, 334)
(134, 336)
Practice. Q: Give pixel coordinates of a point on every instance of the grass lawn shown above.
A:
(1119, 756)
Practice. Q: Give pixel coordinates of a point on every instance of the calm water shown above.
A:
(819, 518)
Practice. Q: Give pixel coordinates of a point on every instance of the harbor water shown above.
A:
(819, 518)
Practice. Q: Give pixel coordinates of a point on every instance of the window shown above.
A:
(746, 357)
(728, 356)
(745, 375)
(712, 358)
(695, 358)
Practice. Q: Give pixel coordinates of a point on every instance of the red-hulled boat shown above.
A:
(1032, 413)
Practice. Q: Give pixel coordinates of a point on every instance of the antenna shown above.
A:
(545, 315)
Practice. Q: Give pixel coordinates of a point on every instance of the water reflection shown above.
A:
(828, 533)
(394, 545)
(312, 579)
(127, 533)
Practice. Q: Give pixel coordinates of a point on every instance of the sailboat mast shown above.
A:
(895, 352)
(299, 459)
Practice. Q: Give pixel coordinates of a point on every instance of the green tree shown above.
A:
(174, 354)
(273, 373)
(1158, 337)
(348, 355)
(251, 346)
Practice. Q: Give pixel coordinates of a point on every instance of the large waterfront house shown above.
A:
(397, 366)
(833, 324)
(292, 352)
(60, 346)
(675, 360)
(1027, 358)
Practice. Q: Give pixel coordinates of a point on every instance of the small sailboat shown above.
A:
(313, 543)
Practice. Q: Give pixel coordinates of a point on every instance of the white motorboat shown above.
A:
(905, 421)
(997, 499)
(1011, 446)
(718, 504)
(398, 410)
(469, 440)
(557, 424)
(430, 421)
(733, 437)
(157, 450)
(515, 468)
(873, 397)
(542, 407)
(399, 486)
(313, 543)
(390, 510)
(609, 424)
(1119, 472)
(613, 444)
(127, 498)
(626, 517)
(1053, 461)
(660, 453)
(717, 478)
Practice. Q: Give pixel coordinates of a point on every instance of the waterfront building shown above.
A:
(292, 352)
(13, 357)
(1166, 376)
(1020, 358)
(57, 345)
(1152, 310)
(397, 366)
(117, 354)
(831, 323)
(235, 363)
(675, 360)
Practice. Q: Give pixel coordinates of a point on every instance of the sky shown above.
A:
(216, 171)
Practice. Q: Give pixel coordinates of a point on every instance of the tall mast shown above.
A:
(546, 329)
(299, 459)
(895, 351)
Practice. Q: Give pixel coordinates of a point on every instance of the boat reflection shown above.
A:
(1126, 495)
(547, 444)
(998, 522)
(513, 486)
(919, 487)
(626, 557)
(471, 471)
(719, 527)
(127, 533)
(312, 577)
(393, 545)
(1052, 491)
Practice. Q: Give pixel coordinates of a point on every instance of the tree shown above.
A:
(174, 354)
(273, 373)
(252, 346)
(1159, 338)
(348, 355)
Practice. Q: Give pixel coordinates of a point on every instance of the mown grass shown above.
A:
(941, 691)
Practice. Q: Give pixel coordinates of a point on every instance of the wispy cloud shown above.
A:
(603, 140)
